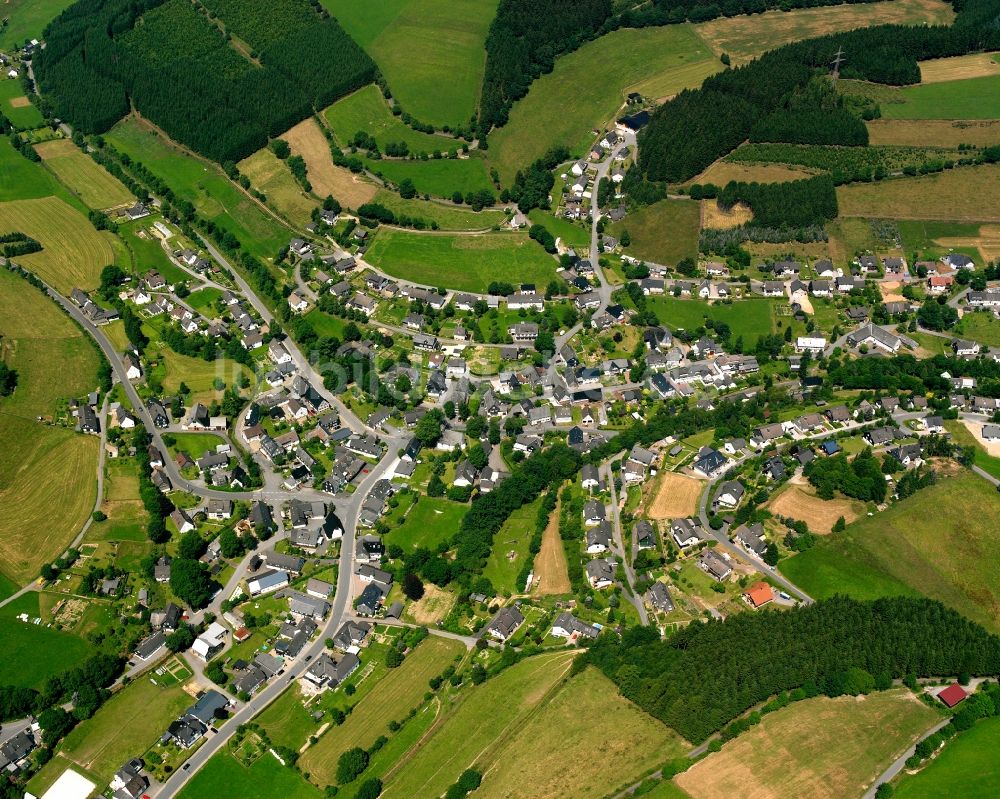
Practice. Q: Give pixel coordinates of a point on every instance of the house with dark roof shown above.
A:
(566, 625)
(505, 623)
(714, 565)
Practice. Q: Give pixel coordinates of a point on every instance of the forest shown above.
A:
(860, 478)
(777, 96)
(796, 204)
(183, 73)
(707, 674)
(907, 373)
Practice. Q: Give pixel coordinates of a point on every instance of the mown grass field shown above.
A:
(934, 132)
(27, 19)
(963, 195)
(21, 179)
(721, 172)
(224, 775)
(146, 251)
(73, 253)
(584, 91)
(431, 521)
(962, 435)
(126, 516)
(800, 502)
(366, 110)
(124, 727)
(438, 177)
(464, 263)
(572, 234)
(822, 748)
(981, 327)
(972, 98)
(745, 37)
(447, 216)
(514, 537)
(197, 374)
(15, 106)
(271, 176)
(431, 52)
(194, 445)
(967, 767)
(750, 318)
(664, 232)
(41, 467)
(96, 187)
(927, 544)
(287, 721)
(201, 183)
(974, 65)
(33, 653)
(391, 699)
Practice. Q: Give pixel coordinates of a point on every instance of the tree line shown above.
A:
(707, 674)
(796, 204)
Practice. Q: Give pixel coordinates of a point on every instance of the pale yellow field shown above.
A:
(307, 140)
(19, 102)
(976, 65)
(801, 502)
(433, 606)
(550, 567)
(721, 172)
(714, 217)
(271, 176)
(748, 36)
(934, 132)
(95, 186)
(676, 497)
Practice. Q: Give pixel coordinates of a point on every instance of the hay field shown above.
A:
(307, 140)
(976, 65)
(664, 232)
(821, 748)
(433, 606)
(721, 172)
(74, 252)
(963, 195)
(749, 36)
(551, 569)
(934, 132)
(271, 176)
(800, 502)
(714, 217)
(95, 186)
(676, 496)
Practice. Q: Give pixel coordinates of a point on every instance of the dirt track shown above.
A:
(551, 570)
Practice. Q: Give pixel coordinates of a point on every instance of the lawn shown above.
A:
(429, 522)
(970, 194)
(16, 107)
(664, 232)
(199, 375)
(447, 216)
(27, 19)
(963, 436)
(126, 518)
(439, 177)
(266, 778)
(927, 544)
(821, 748)
(431, 52)
(33, 653)
(287, 721)
(968, 767)
(464, 263)
(203, 301)
(572, 234)
(510, 548)
(582, 92)
(73, 251)
(82, 175)
(391, 699)
(124, 727)
(147, 252)
(745, 37)
(981, 327)
(272, 177)
(366, 110)
(749, 318)
(201, 183)
(972, 98)
(21, 179)
(194, 444)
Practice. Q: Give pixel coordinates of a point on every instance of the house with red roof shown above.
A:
(758, 594)
(952, 695)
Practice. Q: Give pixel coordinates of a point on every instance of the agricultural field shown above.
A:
(21, 179)
(551, 569)
(146, 251)
(447, 216)
(972, 98)
(438, 177)
(676, 496)
(510, 548)
(15, 106)
(749, 318)
(200, 376)
(721, 172)
(34, 652)
(927, 544)
(975, 65)
(431, 52)
(967, 767)
(201, 183)
(800, 502)
(664, 232)
(428, 523)
(126, 517)
(391, 699)
(27, 19)
(128, 723)
(271, 176)
(571, 233)
(264, 778)
(95, 187)
(934, 132)
(366, 110)
(557, 110)
(464, 263)
(963, 195)
(822, 748)
(73, 253)
(745, 37)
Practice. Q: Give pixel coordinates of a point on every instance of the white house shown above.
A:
(813, 344)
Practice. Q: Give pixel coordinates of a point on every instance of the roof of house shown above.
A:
(759, 594)
(952, 695)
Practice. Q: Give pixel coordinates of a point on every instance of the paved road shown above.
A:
(616, 525)
(900, 762)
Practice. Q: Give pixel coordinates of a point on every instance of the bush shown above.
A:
(350, 765)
